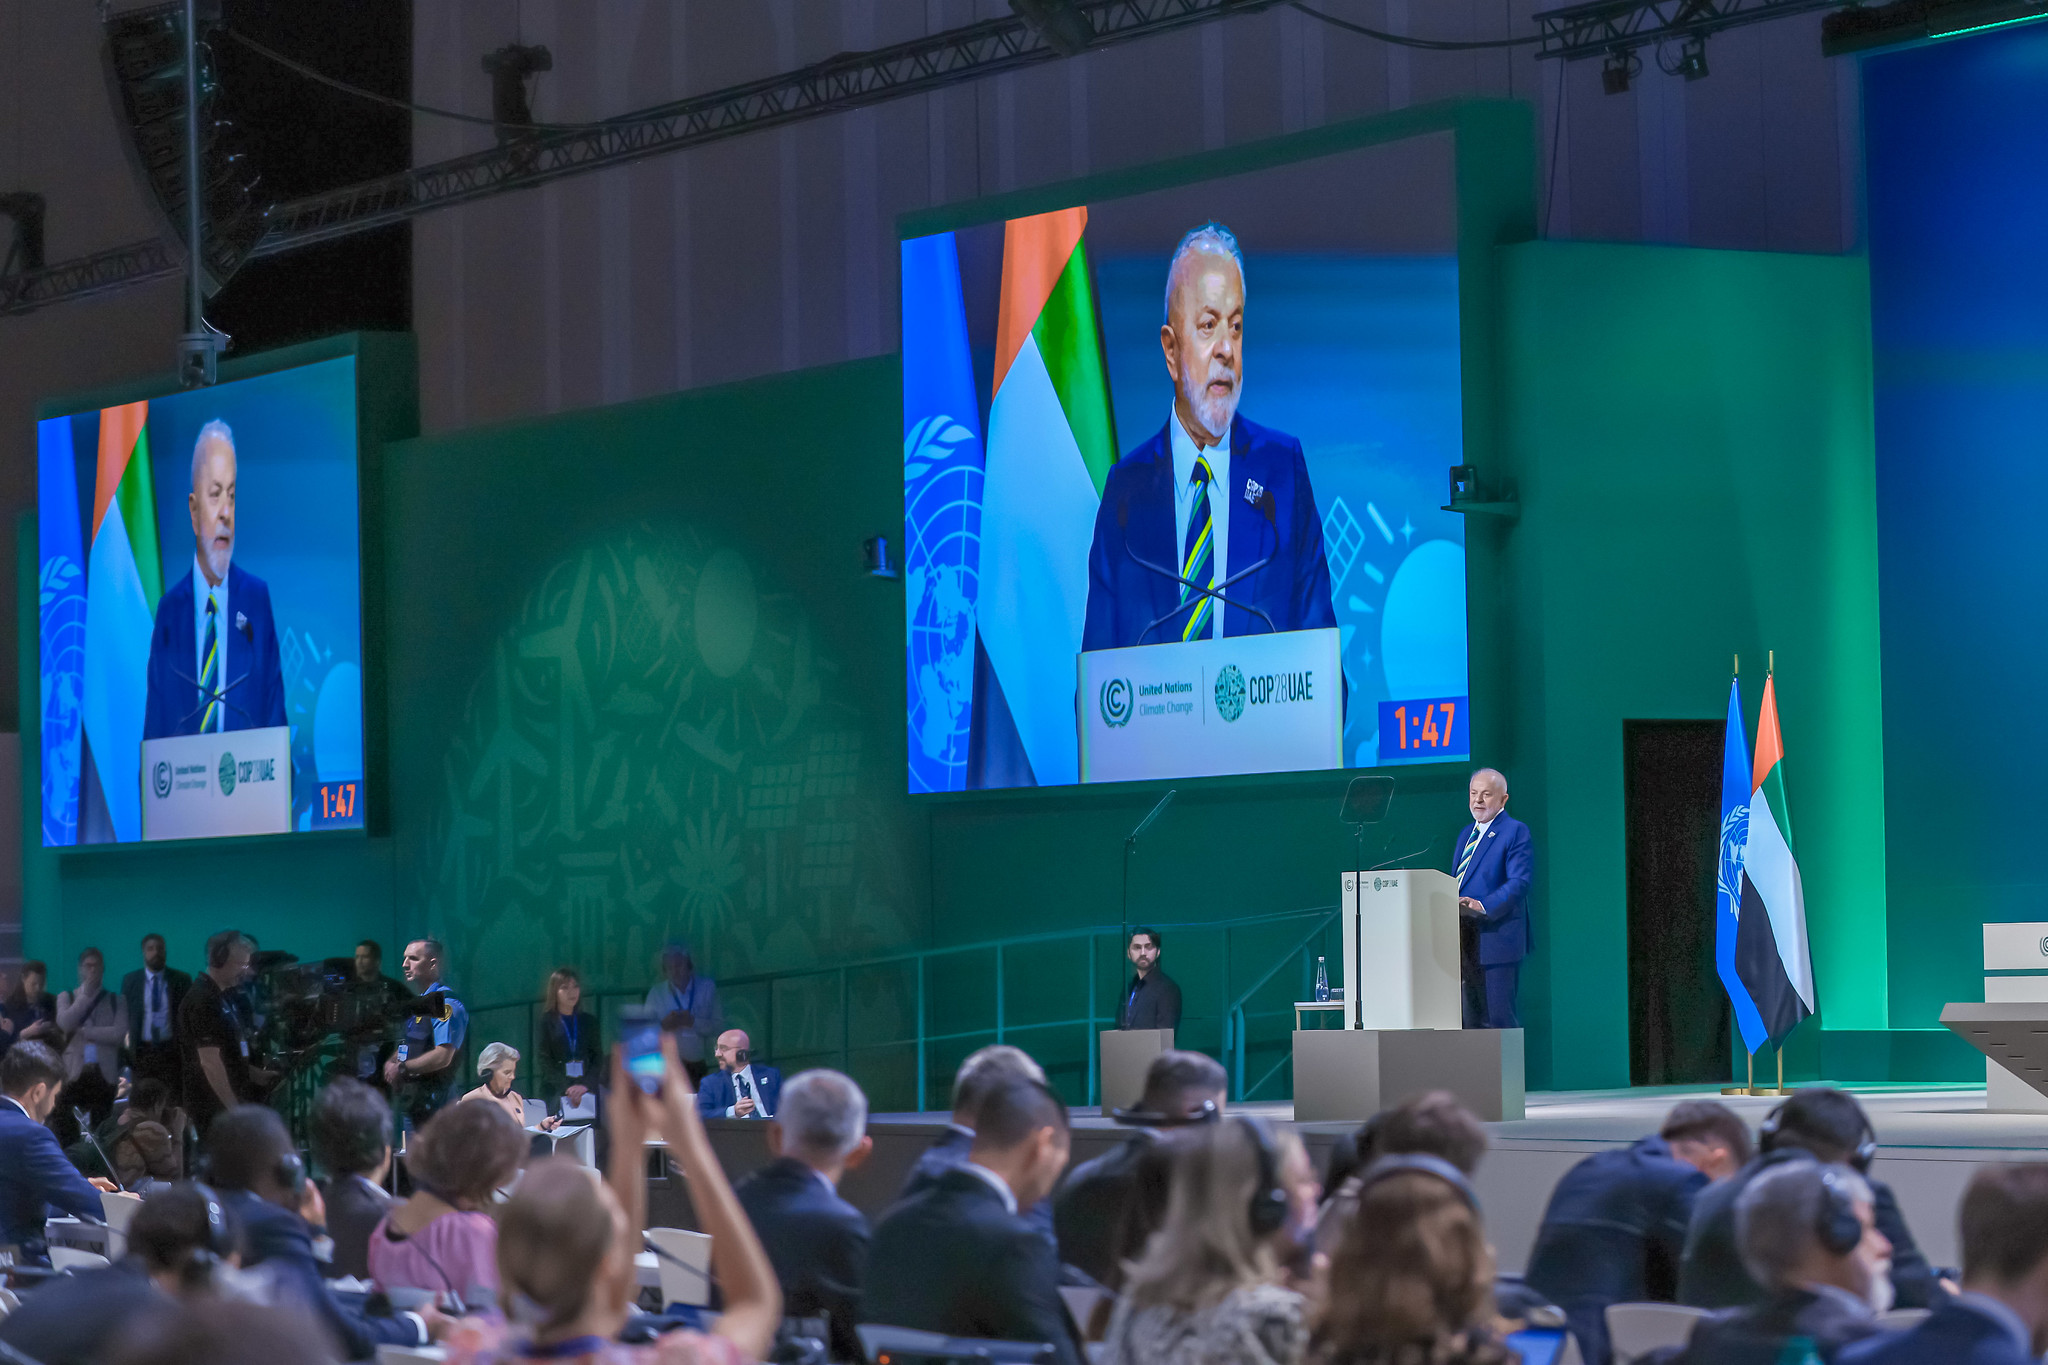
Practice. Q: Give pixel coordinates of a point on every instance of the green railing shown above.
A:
(899, 1023)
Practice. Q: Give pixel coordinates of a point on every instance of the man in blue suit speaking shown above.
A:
(1494, 864)
(1212, 495)
(213, 660)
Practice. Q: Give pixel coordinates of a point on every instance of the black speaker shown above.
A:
(145, 66)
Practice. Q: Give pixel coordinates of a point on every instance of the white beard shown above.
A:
(1881, 1291)
(217, 561)
(1214, 414)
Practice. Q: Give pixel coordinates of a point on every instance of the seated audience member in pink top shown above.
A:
(441, 1240)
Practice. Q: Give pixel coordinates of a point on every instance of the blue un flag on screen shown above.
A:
(1735, 794)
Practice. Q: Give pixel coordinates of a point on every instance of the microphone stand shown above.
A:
(1130, 847)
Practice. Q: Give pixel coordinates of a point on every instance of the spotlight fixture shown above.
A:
(508, 67)
(24, 212)
(1618, 70)
(1692, 59)
(875, 556)
(1061, 23)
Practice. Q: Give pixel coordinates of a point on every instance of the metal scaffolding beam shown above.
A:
(1605, 26)
(852, 80)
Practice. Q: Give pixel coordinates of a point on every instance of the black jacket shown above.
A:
(949, 1153)
(556, 1054)
(354, 1207)
(1613, 1233)
(280, 1241)
(1758, 1334)
(1151, 1001)
(75, 1319)
(952, 1259)
(131, 997)
(817, 1242)
(1711, 1274)
(1105, 1209)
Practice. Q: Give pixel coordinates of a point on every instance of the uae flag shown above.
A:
(1051, 441)
(124, 578)
(1770, 946)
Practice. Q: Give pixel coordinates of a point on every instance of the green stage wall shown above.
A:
(641, 688)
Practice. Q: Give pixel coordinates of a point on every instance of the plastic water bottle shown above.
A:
(1322, 980)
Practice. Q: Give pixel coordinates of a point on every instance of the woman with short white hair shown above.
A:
(498, 1065)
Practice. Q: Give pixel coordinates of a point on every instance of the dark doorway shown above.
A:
(1671, 800)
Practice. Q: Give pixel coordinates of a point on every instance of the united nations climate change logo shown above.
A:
(160, 778)
(227, 774)
(1116, 702)
(1229, 692)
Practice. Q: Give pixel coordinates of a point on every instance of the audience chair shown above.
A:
(1088, 1306)
(1899, 1319)
(1636, 1329)
(902, 1344)
(411, 1355)
(120, 1209)
(690, 1282)
(71, 1258)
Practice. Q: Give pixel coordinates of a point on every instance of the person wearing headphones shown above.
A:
(1818, 1123)
(1211, 1286)
(35, 1175)
(741, 1088)
(1416, 1271)
(175, 1242)
(248, 1159)
(1807, 1232)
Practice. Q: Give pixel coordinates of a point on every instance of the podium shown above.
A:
(1404, 1011)
(1126, 1056)
(1198, 708)
(2012, 949)
(227, 782)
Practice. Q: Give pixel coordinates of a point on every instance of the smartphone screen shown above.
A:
(640, 1032)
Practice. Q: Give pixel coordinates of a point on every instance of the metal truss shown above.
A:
(850, 81)
(1609, 26)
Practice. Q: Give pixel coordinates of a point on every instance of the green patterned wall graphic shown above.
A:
(659, 748)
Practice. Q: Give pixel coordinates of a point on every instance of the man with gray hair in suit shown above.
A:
(816, 1241)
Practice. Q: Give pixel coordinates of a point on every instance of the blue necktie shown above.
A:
(1465, 863)
(1198, 557)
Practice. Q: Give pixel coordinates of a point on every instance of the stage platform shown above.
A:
(1931, 1138)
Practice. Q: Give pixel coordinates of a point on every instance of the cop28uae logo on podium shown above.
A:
(1116, 702)
(227, 774)
(1229, 692)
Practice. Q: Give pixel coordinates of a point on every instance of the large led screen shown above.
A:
(1174, 473)
(201, 612)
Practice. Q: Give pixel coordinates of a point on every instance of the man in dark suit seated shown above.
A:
(1107, 1208)
(1152, 1000)
(984, 1069)
(741, 1088)
(2001, 1315)
(262, 1182)
(816, 1241)
(35, 1175)
(152, 994)
(1616, 1223)
(352, 1142)
(174, 1242)
(1823, 1124)
(956, 1259)
(1808, 1234)
(213, 656)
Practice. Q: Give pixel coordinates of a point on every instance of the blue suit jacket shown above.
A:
(35, 1177)
(1951, 1335)
(253, 679)
(1499, 880)
(717, 1094)
(281, 1242)
(1136, 518)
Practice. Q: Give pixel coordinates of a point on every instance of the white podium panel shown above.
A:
(2016, 947)
(1202, 708)
(205, 786)
(1401, 966)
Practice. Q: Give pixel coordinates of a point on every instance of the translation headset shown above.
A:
(1420, 1163)
(1269, 1201)
(1837, 1226)
(1859, 1159)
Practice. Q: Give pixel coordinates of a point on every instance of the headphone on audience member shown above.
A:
(1402, 1163)
(290, 1171)
(1268, 1210)
(1860, 1157)
(1837, 1225)
(197, 1266)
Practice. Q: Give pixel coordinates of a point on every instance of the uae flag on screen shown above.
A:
(124, 578)
(1050, 444)
(1770, 948)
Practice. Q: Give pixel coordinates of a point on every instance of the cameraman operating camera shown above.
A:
(424, 1072)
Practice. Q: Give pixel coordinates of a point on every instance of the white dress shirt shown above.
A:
(996, 1183)
(201, 593)
(1184, 453)
(753, 1089)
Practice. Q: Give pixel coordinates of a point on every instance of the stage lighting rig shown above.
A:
(1860, 28)
(1618, 70)
(1691, 62)
(508, 67)
(1060, 22)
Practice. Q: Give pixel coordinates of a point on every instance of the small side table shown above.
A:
(1302, 1007)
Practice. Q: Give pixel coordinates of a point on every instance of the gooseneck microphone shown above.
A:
(1264, 504)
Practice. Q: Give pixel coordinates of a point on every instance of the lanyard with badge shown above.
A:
(569, 1032)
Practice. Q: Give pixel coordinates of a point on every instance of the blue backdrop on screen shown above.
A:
(1357, 356)
(295, 529)
(1957, 152)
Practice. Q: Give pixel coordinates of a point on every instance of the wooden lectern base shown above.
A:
(1351, 1074)
(1126, 1056)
